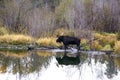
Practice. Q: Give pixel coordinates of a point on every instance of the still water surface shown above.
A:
(50, 65)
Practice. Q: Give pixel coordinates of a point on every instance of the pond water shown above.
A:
(58, 65)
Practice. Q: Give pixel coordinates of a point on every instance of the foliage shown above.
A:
(47, 41)
(84, 44)
(45, 18)
(107, 47)
(3, 31)
(15, 39)
(117, 47)
(106, 39)
(118, 35)
(62, 8)
(62, 31)
(96, 45)
(38, 16)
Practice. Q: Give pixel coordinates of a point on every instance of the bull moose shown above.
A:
(69, 40)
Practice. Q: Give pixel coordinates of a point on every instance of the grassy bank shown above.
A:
(15, 39)
(103, 41)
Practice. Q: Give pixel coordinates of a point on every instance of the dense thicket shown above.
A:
(43, 17)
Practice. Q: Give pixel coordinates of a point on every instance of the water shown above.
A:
(57, 65)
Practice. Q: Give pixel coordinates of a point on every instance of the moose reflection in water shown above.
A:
(69, 60)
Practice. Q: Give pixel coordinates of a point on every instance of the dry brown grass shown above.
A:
(96, 45)
(16, 39)
(51, 41)
(106, 38)
(117, 47)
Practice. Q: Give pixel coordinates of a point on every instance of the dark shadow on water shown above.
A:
(69, 60)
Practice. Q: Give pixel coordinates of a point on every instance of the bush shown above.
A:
(107, 47)
(3, 31)
(106, 39)
(117, 47)
(84, 44)
(16, 39)
(47, 41)
(118, 35)
(96, 45)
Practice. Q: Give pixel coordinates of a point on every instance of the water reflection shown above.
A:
(44, 65)
(69, 60)
(22, 65)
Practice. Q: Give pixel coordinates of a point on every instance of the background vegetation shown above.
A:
(48, 18)
(42, 17)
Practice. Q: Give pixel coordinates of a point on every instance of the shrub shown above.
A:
(96, 45)
(3, 31)
(107, 47)
(117, 47)
(16, 39)
(84, 44)
(47, 41)
(118, 35)
(106, 38)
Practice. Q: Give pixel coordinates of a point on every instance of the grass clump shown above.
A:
(51, 41)
(106, 40)
(117, 47)
(15, 39)
(84, 44)
(96, 45)
(107, 47)
(3, 31)
(118, 35)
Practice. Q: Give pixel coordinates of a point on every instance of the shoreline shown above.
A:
(30, 48)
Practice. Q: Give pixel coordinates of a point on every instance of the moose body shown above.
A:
(68, 40)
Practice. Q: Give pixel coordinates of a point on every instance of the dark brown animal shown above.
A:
(68, 40)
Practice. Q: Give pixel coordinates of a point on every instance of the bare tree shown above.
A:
(41, 22)
(14, 13)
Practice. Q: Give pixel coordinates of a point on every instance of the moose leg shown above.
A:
(65, 47)
(78, 47)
